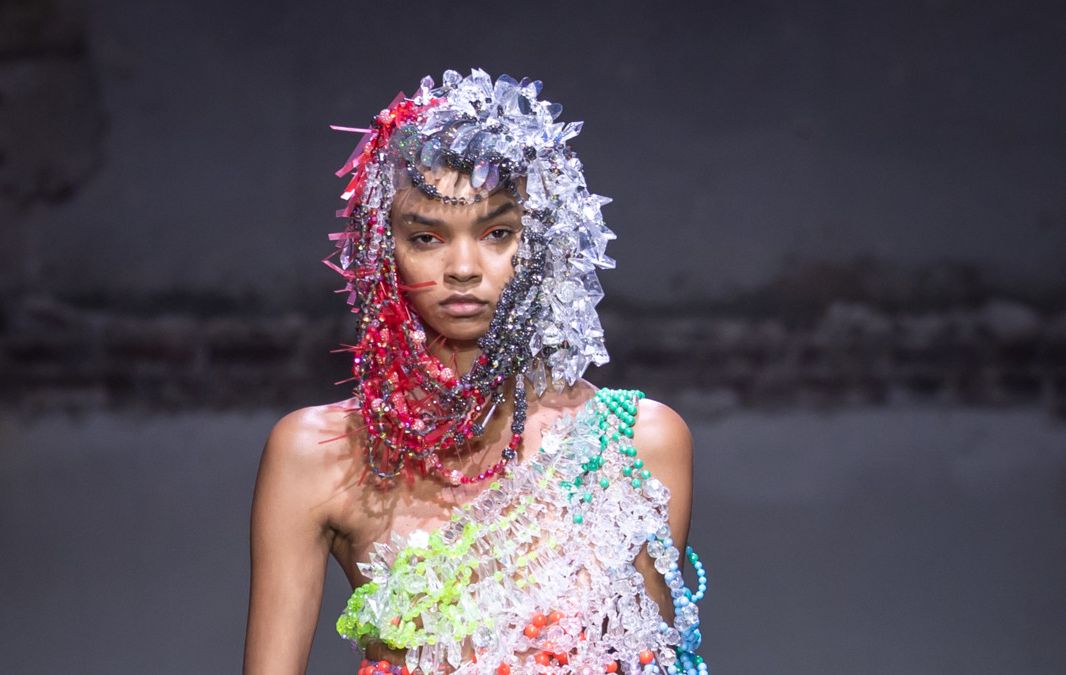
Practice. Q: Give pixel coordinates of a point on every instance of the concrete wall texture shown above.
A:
(152, 145)
(841, 226)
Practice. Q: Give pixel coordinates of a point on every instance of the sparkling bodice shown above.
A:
(536, 574)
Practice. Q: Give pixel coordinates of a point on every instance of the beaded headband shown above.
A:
(545, 326)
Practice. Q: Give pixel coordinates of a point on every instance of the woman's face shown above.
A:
(466, 250)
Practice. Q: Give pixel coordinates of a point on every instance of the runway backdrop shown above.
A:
(841, 240)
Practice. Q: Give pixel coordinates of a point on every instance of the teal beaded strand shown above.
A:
(619, 403)
(701, 575)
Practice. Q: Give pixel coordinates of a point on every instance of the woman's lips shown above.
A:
(463, 308)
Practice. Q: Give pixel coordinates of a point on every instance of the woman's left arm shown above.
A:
(664, 443)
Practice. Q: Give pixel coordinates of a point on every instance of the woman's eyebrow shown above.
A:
(412, 217)
(421, 220)
(501, 209)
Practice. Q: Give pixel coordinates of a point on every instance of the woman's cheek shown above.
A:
(408, 266)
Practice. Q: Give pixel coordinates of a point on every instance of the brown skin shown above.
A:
(463, 250)
(308, 501)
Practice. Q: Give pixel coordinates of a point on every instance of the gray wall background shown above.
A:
(736, 137)
(841, 229)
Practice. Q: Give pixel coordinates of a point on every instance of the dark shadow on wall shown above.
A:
(825, 335)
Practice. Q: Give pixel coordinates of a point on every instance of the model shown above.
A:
(494, 512)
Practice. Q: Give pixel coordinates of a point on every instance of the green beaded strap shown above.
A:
(616, 417)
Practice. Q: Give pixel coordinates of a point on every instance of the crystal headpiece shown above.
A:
(545, 325)
(499, 131)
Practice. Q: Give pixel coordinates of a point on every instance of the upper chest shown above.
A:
(366, 514)
(376, 515)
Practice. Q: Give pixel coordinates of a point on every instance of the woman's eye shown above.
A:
(423, 239)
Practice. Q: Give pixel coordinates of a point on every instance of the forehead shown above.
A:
(412, 207)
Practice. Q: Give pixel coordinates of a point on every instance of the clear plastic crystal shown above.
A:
(451, 78)
(479, 174)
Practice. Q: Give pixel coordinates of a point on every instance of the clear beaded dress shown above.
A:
(536, 574)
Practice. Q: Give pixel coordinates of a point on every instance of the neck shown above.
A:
(457, 355)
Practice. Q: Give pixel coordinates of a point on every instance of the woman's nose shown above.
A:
(463, 263)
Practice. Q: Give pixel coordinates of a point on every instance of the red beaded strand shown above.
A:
(392, 361)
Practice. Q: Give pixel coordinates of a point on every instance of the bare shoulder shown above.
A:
(661, 433)
(306, 448)
(664, 444)
(310, 434)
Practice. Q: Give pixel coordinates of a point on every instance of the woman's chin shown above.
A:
(464, 339)
(459, 332)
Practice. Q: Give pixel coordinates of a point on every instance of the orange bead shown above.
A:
(531, 631)
(543, 658)
(562, 658)
(539, 620)
(555, 616)
(646, 657)
(383, 665)
(503, 669)
(612, 666)
(404, 671)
